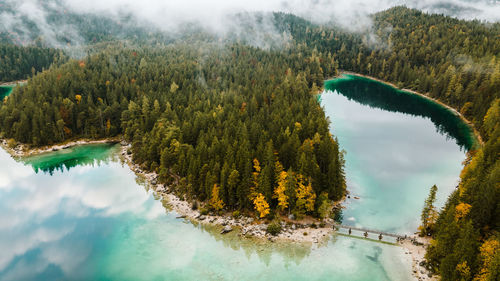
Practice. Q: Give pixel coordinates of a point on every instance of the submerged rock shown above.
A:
(226, 229)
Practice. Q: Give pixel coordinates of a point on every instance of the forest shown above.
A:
(237, 124)
(18, 62)
(239, 128)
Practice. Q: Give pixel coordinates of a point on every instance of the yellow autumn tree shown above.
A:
(279, 191)
(461, 210)
(260, 205)
(488, 250)
(464, 270)
(78, 98)
(255, 179)
(108, 126)
(305, 195)
(216, 202)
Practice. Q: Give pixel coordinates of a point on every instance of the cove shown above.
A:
(5, 91)
(397, 145)
(81, 214)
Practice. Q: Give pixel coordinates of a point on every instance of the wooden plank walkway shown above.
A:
(347, 227)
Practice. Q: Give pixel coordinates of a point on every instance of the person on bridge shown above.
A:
(380, 237)
(350, 231)
(366, 234)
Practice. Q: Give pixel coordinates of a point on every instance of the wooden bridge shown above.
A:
(368, 231)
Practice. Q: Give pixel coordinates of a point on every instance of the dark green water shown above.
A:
(378, 95)
(65, 159)
(5, 91)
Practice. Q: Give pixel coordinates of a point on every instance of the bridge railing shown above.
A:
(366, 230)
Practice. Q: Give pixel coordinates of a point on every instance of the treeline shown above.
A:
(458, 63)
(466, 243)
(455, 61)
(17, 62)
(238, 127)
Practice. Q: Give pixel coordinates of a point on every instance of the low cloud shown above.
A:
(215, 16)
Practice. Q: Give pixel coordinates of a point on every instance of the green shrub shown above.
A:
(272, 215)
(203, 211)
(274, 228)
(236, 214)
(305, 233)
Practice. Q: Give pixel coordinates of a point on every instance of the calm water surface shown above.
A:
(80, 214)
(398, 145)
(77, 219)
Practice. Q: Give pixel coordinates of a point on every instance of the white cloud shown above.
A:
(215, 15)
(95, 191)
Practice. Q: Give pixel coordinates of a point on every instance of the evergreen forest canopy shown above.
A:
(238, 127)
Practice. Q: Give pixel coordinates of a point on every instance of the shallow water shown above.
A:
(80, 214)
(96, 221)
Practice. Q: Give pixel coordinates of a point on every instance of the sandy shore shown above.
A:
(426, 96)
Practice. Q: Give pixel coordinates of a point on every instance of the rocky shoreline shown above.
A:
(416, 247)
(22, 150)
(248, 227)
(13, 83)
(295, 231)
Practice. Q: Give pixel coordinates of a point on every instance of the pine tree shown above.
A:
(429, 214)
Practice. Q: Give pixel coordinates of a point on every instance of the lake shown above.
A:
(82, 214)
(397, 146)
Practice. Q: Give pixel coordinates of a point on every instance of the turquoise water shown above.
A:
(97, 221)
(395, 154)
(81, 214)
(65, 159)
(5, 91)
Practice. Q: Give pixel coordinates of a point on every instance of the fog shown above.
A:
(217, 16)
(348, 13)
